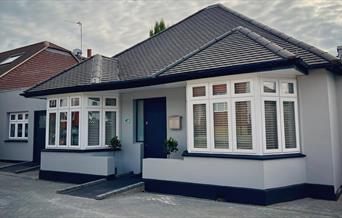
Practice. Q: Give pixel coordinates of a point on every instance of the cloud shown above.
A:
(112, 26)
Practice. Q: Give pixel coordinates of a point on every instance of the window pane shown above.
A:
(140, 120)
(52, 103)
(20, 116)
(26, 130)
(93, 128)
(288, 88)
(94, 101)
(20, 130)
(110, 102)
(243, 125)
(63, 102)
(12, 116)
(110, 126)
(271, 125)
(52, 128)
(220, 89)
(270, 87)
(12, 131)
(75, 102)
(26, 116)
(63, 123)
(221, 125)
(243, 87)
(198, 91)
(289, 124)
(200, 125)
(75, 126)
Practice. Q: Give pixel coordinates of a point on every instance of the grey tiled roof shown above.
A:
(213, 37)
(237, 47)
(153, 54)
(83, 74)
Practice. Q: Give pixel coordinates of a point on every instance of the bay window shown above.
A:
(66, 116)
(227, 119)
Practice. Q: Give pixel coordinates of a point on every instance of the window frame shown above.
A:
(93, 106)
(87, 146)
(189, 91)
(104, 124)
(110, 97)
(227, 83)
(191, 126)
(251, 88)
(47, 144)
(69, 127)
(212, 130)
(16, 122)
(48, 104)
(279, 126)
(253, 125)
(289, 150)
(281, 92)
(263, 93)
(58, 128)
(79, 99)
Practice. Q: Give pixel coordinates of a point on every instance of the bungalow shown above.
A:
(255, 113)
(22, 120)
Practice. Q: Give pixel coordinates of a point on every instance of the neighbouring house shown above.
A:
(22, 120)
(255, 113)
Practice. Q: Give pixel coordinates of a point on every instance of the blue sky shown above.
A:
(111, 26)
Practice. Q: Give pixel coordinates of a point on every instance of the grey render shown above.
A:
(11, 101)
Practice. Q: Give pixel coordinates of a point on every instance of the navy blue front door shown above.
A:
(154, 127)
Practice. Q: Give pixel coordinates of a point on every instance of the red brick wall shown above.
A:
(37, 69)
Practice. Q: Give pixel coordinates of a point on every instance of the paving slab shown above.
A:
(23, 197)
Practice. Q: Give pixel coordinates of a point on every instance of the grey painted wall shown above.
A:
(319, 127)
(94, 163)
(337, 150)
(227, 172)
(11, 101)
(130, 156)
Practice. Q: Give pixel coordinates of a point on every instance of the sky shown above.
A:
(112, 26)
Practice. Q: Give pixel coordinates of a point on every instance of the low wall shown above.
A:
(256, 174)
(90, 163)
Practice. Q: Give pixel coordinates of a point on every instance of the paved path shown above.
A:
(27, 197)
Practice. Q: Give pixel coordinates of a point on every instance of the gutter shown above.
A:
(164, 79)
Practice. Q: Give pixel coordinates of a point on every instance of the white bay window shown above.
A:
(67, 114)
(227, 119)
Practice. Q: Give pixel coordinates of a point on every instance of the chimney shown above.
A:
(339, 52)
(88, 52)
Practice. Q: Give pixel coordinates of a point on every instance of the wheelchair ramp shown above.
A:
(101, 189)
(20, 167)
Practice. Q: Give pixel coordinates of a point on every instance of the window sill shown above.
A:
(76, 150)
(16, 140)
(244, 156)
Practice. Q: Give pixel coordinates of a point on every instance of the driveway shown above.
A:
(25, 196)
